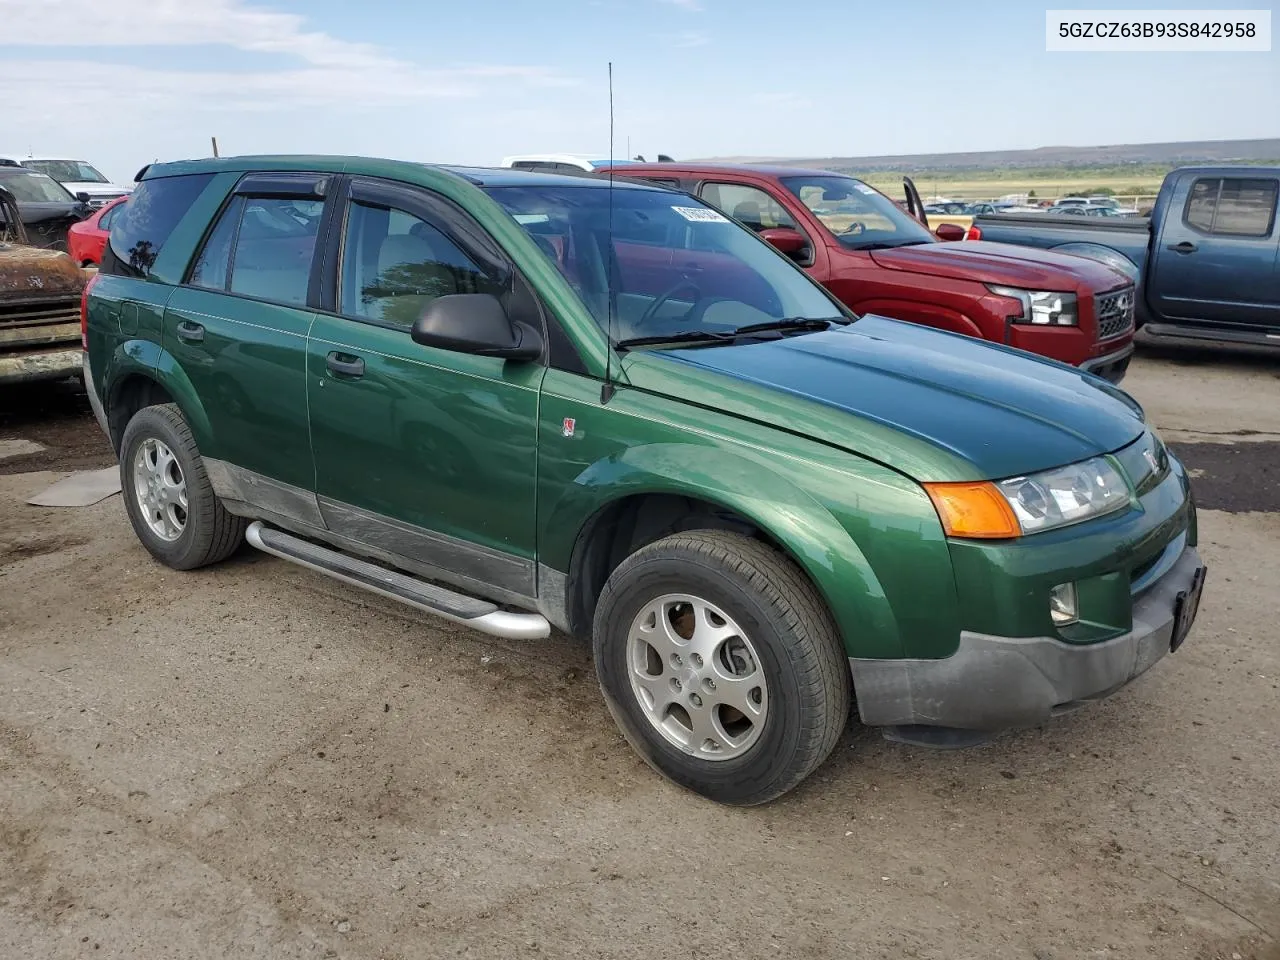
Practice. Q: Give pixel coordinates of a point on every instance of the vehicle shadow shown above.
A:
(1224, 356)
(57, 416)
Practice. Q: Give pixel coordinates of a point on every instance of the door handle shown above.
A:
(344, 365)
(190, 332)
(1186, 246)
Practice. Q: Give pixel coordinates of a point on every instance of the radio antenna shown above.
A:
(606, 389)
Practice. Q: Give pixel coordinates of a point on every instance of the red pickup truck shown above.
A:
(877, 259)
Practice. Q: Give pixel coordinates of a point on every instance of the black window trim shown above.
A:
(1217, 199)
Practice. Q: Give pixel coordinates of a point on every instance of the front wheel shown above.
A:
(720, 663)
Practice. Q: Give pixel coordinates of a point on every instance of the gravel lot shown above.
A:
(254, 761)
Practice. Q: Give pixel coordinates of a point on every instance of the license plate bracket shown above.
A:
(1185, 607)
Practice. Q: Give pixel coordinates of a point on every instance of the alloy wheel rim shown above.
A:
(697, 677)
(160, 489)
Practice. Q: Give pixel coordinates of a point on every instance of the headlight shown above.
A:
(1065, 495)
(1043, 308)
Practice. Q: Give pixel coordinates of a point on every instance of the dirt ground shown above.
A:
(254, 761)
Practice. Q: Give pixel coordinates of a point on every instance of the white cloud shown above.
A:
(56, 95)
(686, 4)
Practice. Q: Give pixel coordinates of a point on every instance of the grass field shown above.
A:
(1133, 182)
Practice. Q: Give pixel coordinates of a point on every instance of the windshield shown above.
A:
(31, 187)
(67, 171)
(677, 266)
(858, 216)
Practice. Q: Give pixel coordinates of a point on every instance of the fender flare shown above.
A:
(147, 359)
(805, 529)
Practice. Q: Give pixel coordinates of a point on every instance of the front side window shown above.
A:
(750, 206)
(261, 247)
(858, 216)
(139, 233)
(1232, 206)
(67, 171)
(394, 263)
(28, 186)
(649, 262)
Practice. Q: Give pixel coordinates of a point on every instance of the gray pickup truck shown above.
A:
(1206, 262)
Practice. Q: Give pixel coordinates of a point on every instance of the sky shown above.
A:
(122, 83)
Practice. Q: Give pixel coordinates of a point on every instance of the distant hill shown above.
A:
(1169, 154)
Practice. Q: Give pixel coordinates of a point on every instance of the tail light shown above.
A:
(973, 234)
(84, 312)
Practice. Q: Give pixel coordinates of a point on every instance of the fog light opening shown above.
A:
(1062, 604)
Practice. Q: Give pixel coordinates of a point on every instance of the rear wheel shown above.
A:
(167, 493)
(720, 663)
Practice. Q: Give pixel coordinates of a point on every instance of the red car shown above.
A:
(857, 243)
(87, 239)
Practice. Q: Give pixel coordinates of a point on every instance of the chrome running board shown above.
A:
(470, 611)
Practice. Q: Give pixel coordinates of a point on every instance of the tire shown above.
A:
(198, 532)
(766, 622)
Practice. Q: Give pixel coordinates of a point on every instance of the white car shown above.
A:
(573, 164)
(77, 176)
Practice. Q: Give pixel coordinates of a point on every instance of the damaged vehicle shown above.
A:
(40, 292)
(43, 205)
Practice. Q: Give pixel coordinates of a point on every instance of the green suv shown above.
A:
(517, 400)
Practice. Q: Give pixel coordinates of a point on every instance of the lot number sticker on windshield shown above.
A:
(701, 215)
(863, 188)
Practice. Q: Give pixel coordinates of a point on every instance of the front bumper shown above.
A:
(1111, 366)
(30, 365)
(993, 682)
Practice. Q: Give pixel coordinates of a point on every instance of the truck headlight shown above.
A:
(1064, 495)
(1043, 308)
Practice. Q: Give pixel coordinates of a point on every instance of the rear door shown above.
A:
(426, 453)
(1215, 259)
(238, 326)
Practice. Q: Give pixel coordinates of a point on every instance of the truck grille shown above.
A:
(1115, 313)
(35, 324)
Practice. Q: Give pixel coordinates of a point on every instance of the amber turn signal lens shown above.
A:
(973, 510)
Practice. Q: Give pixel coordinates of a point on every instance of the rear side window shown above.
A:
(139, 233)
(261, 247)
(1232, 206)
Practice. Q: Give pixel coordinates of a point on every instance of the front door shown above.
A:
(1215, 258)
(421, 452)
(237, 326)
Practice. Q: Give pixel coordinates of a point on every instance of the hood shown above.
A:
(95, 189)
(30, 274)
(1001, 263)
(936, 406)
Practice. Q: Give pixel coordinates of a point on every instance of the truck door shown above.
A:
(1215, 259)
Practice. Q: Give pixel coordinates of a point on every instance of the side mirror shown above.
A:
(83, 197)
(785, 240)
(476, 323)
(949, 231)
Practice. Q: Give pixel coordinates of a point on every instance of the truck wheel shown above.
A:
(167, 493)
(721, 664)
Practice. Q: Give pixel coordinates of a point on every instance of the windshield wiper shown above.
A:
(884, 245)
(684, 336)
(790, 323)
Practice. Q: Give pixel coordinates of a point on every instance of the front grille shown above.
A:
(31, 325)
(1115, 313)
(39, 314)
